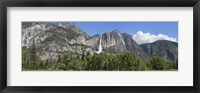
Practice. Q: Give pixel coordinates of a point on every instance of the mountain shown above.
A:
(113, 42)
(132, 46)
(52, 40)
(162, 48)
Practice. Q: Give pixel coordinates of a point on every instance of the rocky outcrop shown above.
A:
(54, 39)
(35, 31)
(113, 42)
(72, 27)
(162, 48)
(92, 41)
(130, 44)
(133, 47)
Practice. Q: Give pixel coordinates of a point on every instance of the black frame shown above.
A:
(100, 3)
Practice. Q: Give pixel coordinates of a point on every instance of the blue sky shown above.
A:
(166, 28)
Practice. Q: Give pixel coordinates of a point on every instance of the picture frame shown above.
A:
(103, 3)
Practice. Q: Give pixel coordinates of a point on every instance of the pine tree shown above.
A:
(33, 55)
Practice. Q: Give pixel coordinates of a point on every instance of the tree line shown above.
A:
(98, 62)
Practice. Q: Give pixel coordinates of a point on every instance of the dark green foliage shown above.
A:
(75, 64)
(130, 62)
(33, 56)
(158, 63)
(97, 62)
(61, 66)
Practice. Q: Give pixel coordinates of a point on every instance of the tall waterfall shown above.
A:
(100, 47)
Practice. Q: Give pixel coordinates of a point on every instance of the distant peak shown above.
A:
(163, 41)
(96, 35)
(126, 34)
(65, 23)
(116, 30)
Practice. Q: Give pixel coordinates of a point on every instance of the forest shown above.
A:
(69, 61)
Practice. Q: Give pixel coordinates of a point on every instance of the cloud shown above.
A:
(142, 38)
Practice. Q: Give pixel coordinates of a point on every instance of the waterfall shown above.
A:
(100, 47)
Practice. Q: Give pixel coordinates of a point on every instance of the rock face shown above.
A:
(113, 42)
(34, 31)
(130, 44)
(53, 39)
(162, 48)
(133, 47)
